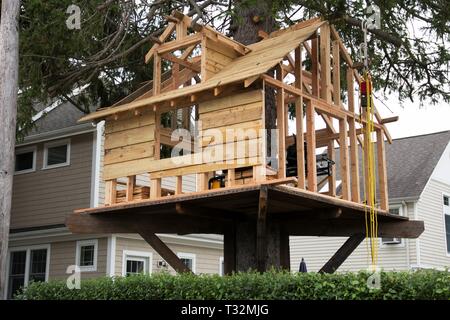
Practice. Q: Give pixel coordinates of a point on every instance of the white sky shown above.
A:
(414, 119)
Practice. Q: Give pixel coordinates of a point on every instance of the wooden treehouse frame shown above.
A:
(263, 206)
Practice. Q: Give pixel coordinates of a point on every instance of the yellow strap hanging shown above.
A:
(370, 184)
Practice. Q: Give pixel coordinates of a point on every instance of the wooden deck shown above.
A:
(299, 211)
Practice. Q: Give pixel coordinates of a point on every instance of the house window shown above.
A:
(188, 260)
(25, 161)
(27, 265)
(397, 210)
(56, 154)
(447, 222)
(136, 262)
(86, 255)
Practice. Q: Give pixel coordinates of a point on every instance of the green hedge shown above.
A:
(269, 285)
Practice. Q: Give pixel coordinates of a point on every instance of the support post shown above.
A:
(332, 178)
(325, 71)
(354, 162)
(164, 251)
(382, 174)
(281, 110)
(342, 254)
(345, 175)
(131, 183)
(311, 146)
(315, 67)
(110, 192)
(299, 120)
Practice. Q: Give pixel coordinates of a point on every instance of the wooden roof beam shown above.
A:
(179, 44)
(163, 37)
(170, 57)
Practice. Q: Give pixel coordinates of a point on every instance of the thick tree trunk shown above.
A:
(9, 57)
(253, 17)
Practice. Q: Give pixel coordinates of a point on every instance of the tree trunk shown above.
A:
(9, 65)
(252, 17)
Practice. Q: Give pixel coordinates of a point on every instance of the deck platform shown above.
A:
(263, 208)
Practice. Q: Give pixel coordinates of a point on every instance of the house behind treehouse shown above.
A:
(216, 92)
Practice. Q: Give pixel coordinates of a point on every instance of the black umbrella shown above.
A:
(302, 266)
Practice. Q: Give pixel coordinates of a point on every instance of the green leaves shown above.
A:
(272, 285)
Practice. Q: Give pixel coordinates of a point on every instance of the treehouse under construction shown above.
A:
(320, 171)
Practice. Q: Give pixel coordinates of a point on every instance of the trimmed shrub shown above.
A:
(425, 284)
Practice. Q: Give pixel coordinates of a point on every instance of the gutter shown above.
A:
(59, 133)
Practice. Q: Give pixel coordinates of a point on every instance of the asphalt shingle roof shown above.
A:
(63, 116)
(410, 163)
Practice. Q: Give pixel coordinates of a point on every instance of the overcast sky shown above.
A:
(414, 119)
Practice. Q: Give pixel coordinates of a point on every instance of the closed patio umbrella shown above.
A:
(302, 267)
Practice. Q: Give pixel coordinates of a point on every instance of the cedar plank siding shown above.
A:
(45, 197)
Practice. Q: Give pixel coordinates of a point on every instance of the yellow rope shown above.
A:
(371, 221)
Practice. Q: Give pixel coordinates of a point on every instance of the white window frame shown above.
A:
(26, 150)
(82, 243)
(402, 241)
(185, 255)
(146, 256)
(443, 220)
(28, 250)
(56, 144)
(221, 271)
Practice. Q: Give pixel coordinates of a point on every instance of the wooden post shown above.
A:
(230, 177)
(325, 71)
(315, 67)
(345, 166)
(179, 185)
(299, 120)
(332, 178)
(336, 74)
(164, 251)
(354, 162)
(343, 253)
(281, 110)
(9, 60)
(382, 174)
(202, 181)
(110, 192)
(155, 188)
(156, 74)
(311, 146)
(131, 183)
(157, 151)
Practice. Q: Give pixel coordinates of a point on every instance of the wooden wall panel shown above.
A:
(129, 140)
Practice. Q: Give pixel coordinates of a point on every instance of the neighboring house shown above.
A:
(419, 187)
(57, 171)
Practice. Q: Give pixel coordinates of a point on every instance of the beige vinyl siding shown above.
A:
(433, 252)
(318, 250)
(62, 255)
(206, 259)
(46, 197)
